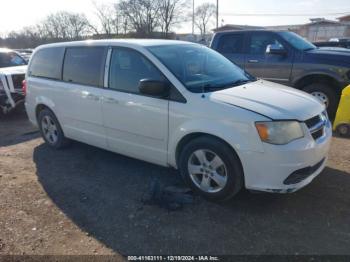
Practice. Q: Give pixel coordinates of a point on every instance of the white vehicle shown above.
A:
(182, 105)
(12, 72)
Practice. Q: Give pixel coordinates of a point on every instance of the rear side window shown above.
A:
(231, 44)
(47, 63)
(84, 65)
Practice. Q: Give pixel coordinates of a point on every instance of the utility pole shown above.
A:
(193, 17)
(217, 14)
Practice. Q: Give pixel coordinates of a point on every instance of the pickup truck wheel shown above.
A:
(326, 95)
(211, 168)
(51, 130)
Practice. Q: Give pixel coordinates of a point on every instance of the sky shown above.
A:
(15, 14)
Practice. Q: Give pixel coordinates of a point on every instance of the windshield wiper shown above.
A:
(310, 48)
(238, 82)
(226, 85)
(210, 87)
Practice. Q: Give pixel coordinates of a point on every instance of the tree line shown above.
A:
(126, 18)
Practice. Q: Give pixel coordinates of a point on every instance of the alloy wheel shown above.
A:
(49, 129)
(207, 171)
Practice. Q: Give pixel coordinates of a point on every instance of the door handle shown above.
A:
(110, 100)
(253, 61)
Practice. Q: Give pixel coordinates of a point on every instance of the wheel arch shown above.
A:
(41, 103)
(238, 135)
(318, 78)
(191, 136)
(40, 107)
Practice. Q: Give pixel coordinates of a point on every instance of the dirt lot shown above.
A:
(84, 200)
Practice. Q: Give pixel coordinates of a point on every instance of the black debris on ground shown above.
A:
(171, 198)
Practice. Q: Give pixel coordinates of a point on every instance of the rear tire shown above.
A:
(325, 94)
(51, 130)
(211, 168)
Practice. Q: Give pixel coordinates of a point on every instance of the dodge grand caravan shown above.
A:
(182, 105)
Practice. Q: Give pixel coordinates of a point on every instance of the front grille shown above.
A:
(313, 121)
(302, 174)
(317, 125)
(316, 135)
(17, 81)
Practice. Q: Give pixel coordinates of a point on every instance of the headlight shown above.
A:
(279, 132)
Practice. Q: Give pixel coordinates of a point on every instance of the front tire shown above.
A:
(51, 130)
(211, 168)
(326, 94)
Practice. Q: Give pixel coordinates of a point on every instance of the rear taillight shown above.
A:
(24, 87)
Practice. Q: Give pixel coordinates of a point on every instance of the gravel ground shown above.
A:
(85, 200)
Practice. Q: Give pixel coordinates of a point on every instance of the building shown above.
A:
(344, 19)
(320, 29)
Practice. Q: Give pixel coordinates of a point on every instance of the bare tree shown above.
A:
(28, 37)
(204, 15)
(61, 26)
(172, 12)
(125, 24)
(142, 15)
(65, 25)
(107, 15)
(78, 26)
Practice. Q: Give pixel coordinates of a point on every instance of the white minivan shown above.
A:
(181, 105)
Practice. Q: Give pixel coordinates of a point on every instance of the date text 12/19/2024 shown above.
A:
(173, 258)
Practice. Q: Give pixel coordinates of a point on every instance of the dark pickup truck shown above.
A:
(287, 58)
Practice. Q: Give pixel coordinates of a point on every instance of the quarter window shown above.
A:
(84, 65)
(231, 44)
(128, 67)
(47, 63)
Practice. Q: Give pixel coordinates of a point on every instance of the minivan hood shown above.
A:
(273, 100)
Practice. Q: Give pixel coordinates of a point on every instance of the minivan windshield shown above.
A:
(297, 41)
(199, 68)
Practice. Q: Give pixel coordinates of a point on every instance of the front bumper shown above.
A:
(271, 170)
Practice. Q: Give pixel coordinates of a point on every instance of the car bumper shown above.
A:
(31, 113)
(287, 168)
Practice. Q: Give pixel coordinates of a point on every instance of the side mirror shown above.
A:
(154, 88)
(275, 49)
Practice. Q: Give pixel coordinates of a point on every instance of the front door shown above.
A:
(271, 67)
(136, 125)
